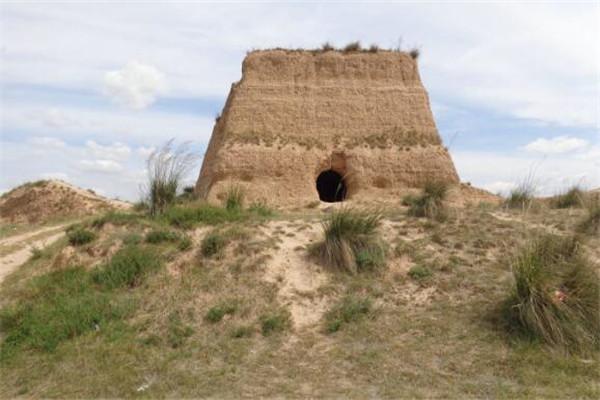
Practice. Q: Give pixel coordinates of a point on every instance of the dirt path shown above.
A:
(15, 259)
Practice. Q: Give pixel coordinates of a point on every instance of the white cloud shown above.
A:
(557, 145)
(500, 187)
(145, 151)
(116, 151)
(46, 141)
(135, 86)
(106, 166)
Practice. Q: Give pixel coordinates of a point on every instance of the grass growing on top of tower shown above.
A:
(351, 241)
(556, 295)
(590, 224)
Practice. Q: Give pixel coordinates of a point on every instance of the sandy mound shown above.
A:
(42, 201)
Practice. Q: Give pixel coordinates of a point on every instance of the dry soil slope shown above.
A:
(43, 201)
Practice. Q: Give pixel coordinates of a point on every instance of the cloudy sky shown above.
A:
(87, 90)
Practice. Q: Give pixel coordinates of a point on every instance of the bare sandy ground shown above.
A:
(10, 262)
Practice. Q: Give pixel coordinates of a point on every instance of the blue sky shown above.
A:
(87, 90)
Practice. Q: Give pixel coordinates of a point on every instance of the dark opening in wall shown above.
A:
(331, 186)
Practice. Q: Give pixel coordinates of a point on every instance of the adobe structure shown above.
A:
(307, 125)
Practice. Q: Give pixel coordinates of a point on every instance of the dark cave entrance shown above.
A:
(331, 186)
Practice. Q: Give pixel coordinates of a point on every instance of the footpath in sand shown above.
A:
(20, 247)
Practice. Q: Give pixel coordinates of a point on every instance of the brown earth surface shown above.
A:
(43, 201)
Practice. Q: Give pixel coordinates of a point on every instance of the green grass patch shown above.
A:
(58, 306)
(420, 273)
(275, 322)
(189, 216)
(556, 295)
(116, 218)
(244, 331)
(234, 199)
(212, 244)
(127, 268)
(216, 313)
(349, 309)
(161, 236)
(79, 236)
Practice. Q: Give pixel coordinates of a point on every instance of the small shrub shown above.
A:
(570, 199)
(212, 244)
(242, 332)
(37, 253)
(349, 309)
(415, 53)
(590, 225)
(521, 196)
(430, 203)
(216, 313)
(132, 238)
(420, 273)
(177, 331)
(373, 48)
(128, 267)
(327, 47)
(556, 295)
(160, 236)
(371, 258)
(80, 236)
(185, 243)
(261, 209)
(234, 199)
(115, 218)
(352, 47)
(275, 322)
(348, 233)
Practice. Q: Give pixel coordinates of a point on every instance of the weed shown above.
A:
(415, 53)
(348, 309)
(521, 196)
(371, 258)
(132, 238)
(216, 313)
(275, 322)
(167, 167)
(430, 203)
(347, 233)
(234, 199)
(80, 236)
(420, 273)
(351, 47)
(570, 199)
(37, 253)
(327, 47)
(204, 213)
(59, 306)
(115, 218)
(242, 332)
(555, 295)
(128, 267)
(160, 236)
(261, 209)
(590, 224)
(212, 244)
(185, 243)
(177, 331)
(373, 48)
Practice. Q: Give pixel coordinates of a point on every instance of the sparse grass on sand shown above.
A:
(103, 320)
(351, 241)
(556, 295)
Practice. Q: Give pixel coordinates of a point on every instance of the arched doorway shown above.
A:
(331, 186)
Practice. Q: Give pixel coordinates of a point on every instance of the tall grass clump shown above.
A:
(167, 167)
(522, 195)
(79, 236)
(556, 295)
(572, 198)
(351, 241)
(352, 46)
(127, 268)
(234, 199)
(590, 225)
(430, 203)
